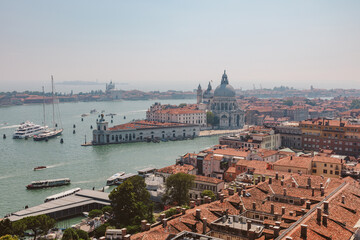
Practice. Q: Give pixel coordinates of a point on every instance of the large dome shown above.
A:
(225, 89)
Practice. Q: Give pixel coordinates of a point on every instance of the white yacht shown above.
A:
(28, 129)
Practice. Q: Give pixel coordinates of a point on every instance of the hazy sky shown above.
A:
(160, 45)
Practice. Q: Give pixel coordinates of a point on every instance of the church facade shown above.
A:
(222, 102)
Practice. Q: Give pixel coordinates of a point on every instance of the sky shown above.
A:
(168, 44)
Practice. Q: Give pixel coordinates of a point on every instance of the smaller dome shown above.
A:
(224, 90)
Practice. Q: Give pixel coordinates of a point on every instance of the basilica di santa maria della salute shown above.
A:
(222, 102)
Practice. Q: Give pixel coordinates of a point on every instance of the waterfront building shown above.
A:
(142, 130)
(222, 102)
(342, 136)
(189, 114)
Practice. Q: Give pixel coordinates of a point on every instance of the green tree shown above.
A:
(38, 224)
(288, 103)
(355, 104)
(210, 117)
(100, 231)
(209, 193)
(6, 227)
(9, 237)
(177, 188)
(82, 234)
(131, 202)
(70, 234)
(107, 209)
(95, 213)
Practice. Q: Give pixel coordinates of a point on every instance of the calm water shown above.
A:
(87, 167)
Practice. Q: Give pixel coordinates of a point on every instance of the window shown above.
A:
(324, 171)
(325, 165)
(331, 171)
(314, 170)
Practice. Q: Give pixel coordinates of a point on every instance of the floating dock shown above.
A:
(66, 207)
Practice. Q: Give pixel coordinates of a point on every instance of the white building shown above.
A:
(142, 130)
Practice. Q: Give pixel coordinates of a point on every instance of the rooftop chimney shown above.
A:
(291, 213)
(303, 234)
(263, 178)
(282, 182)
(272, 208)
(162, 216)
(270, 180)
(312, 191)
(222, 197)
(283, 176)
(192, 204)
(204, 225)
(183, 210)
(293, 184)
(283, 210)
(284, 191)
(143, 225)
(322, 191)
(148, 226)
(318, 215)
(254, 205)
(309, 181)
(326, 207)
(276, 231)
(198, 213)
(308, 205)
(243, 193)
(164, 222)
(325, 218)
(276, 175)
(231, 191)
(241, 208)
(343, 199)
(127, 237)
(178, 209)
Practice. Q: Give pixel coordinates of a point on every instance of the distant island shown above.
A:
(81, 83)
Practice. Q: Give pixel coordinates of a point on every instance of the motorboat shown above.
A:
(112, 180)
(48, 183)
(49, 133)
(39, 168)
(28, 129)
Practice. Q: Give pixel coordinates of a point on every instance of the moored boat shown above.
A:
(49, 133)
(112, 180)
(28, 129)
(48, 183)
(62, 194)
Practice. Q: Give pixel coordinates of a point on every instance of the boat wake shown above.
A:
(12, 126)
(7, 176)
(57, 165)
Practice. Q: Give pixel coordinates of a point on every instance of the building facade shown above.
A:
(139, 131)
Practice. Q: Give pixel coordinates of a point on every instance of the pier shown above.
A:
(66, 207)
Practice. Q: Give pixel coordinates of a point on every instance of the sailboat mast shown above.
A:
(44, 105)
(52, 94)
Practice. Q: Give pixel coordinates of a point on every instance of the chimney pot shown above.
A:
(343, 199)
(164, 222)
(282, 182)
(143, 225)
(303, 234)
(204, 225)
(325, 218)
(318, 215)
(291, 213)
(326, 207)
(308, 205)
(198, 213)
(183, 210)
(276, 175)
(148, 226)
(162, 216)
(283, 210)
(322, 191)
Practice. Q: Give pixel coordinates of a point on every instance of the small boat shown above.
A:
(93, 111)
(48, 183)
(84, 115)
(110, 114)
(112, 180)
(39, 168)
(123, 178)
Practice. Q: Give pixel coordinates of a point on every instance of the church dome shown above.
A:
(225, 89)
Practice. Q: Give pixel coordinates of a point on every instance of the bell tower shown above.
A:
(199, 95)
